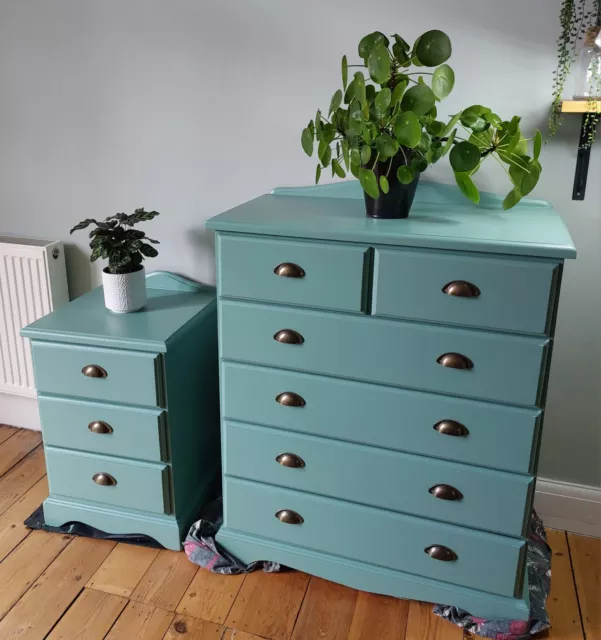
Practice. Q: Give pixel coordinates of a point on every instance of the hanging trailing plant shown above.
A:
(580, 21)
(384, 125)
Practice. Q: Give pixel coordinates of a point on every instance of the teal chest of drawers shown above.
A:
(129, 409)
(383, 389)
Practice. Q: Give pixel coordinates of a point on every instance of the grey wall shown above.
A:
(192, 106)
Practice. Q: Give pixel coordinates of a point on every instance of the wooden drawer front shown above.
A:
(505, 368)
(497, 436)
(487, 499)
(140, 485)
(333, 274)
(513, 294)
(103, 428)
(132, 377)
(484, 560)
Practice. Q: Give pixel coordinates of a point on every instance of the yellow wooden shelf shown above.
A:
(581, 106)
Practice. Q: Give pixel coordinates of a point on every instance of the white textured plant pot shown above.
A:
(124, 292)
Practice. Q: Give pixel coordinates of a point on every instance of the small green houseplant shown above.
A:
(115, 240)
(386, 129)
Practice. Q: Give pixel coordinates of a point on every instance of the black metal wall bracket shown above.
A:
(589, 122)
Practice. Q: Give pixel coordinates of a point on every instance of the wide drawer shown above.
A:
(506, 293)
(132, 377)
(470, 496)
(312, 274)
(138, 485)
(103, 428)
(505, 367)
(484, 561)
(489, 435)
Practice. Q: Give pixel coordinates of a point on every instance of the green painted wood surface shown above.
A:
(514, 294)
(86, 320)
(370, 379)
(192, 382)
(333, 273)
(485, 561)
(507, 368)
(491, 500)
(531, 228)
(137, 433)
(140, 485)
(133, 377)
(500, 436)
(165, 529)
(375, 579)
(163, 356)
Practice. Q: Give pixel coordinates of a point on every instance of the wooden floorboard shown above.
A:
(562, 603)
(141, 622)
(12, 529)
(17, 447)
(23, 475)
(90, 617)
(586, 562)
(6, 432)
(122, 571)
(53, 587)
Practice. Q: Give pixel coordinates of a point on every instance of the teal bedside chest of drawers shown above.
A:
(383, 388)
(129, 409)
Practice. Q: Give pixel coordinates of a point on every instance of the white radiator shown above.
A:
(33, 282)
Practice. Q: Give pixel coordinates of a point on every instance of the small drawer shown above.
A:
(115, 481)
(469, 496)
(479, 433)
(493, 293)
(131, 377)
(103, 428)
(458, 362)
(482, 561)
(298, 273)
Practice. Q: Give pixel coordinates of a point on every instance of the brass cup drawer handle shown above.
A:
(461, 289)
(287, 516)
(290, 399)
(289, 270)
(446, 492)
(440, 552)
(288, 336)
(290, 460)
(104, 479)
(100, 427)
(451, 428)
(94, 371)
(455, 361)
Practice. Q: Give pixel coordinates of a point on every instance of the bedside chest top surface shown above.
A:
(441, 218)
(172, 302)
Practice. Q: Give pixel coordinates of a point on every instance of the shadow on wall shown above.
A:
(79, 270)
(202, 243)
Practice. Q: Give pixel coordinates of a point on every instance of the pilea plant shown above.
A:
(386, 127)
(115, 239)
(579, 21)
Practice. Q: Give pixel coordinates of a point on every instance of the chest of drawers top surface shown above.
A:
(441, 218)
(172, 302)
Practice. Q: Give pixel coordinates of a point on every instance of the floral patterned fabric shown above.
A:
(538, 563)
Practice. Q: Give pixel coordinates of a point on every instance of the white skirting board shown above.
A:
(569, 507)
(19, 411)
(561, 505)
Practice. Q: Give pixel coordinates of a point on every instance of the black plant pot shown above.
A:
(397, 202)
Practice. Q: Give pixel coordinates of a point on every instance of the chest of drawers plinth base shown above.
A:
(375, 579)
